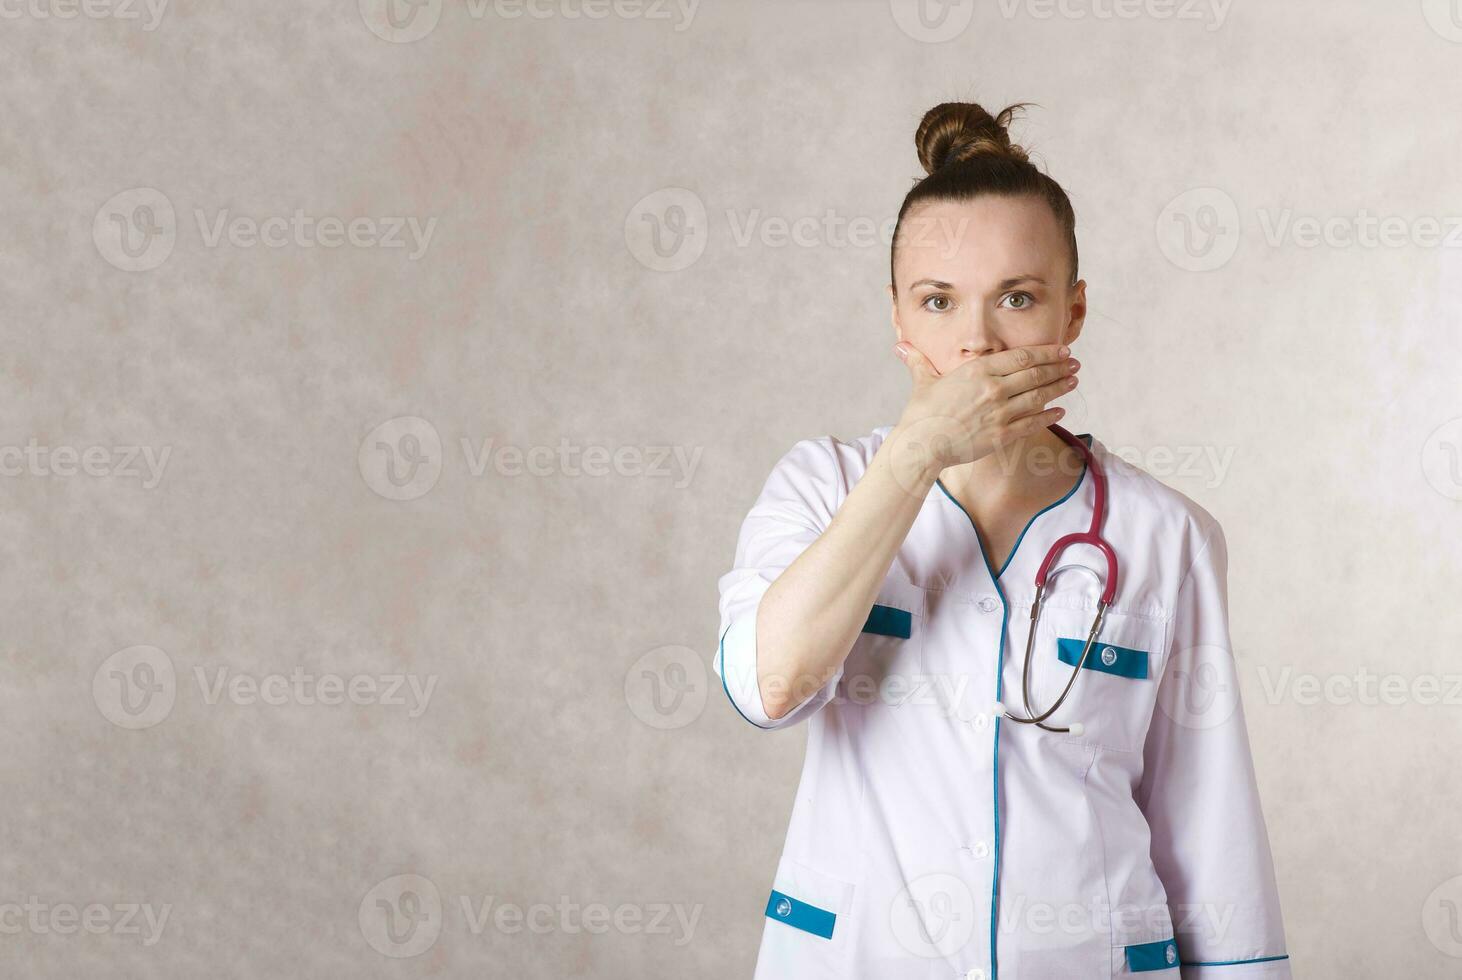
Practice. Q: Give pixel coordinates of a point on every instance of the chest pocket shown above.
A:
(886, 662)
(1116, 693)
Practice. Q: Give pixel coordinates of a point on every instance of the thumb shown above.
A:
(919, 367)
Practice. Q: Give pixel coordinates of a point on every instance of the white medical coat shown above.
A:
(931, 838)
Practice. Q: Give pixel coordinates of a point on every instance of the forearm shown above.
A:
(810, 616)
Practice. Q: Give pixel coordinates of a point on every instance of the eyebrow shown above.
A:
(1003, 285)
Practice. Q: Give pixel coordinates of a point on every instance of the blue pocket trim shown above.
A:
(1105, 657)
(800, 915)
(1148, 957)
(888, 621)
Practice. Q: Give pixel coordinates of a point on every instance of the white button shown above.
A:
(1109, 656)
(980, 849)
(980, 721)
(975, 974)
(987, 603)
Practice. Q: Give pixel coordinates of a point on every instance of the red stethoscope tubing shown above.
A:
(1092, 536)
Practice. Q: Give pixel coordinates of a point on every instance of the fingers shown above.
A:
(919, 367)
(1034, 400)
(1021, 358)
(1022, 427)
(1035, 377)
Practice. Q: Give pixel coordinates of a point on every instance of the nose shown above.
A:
(979, 337)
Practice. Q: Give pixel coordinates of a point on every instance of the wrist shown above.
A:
(912, 457)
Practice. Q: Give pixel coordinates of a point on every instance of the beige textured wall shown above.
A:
(200, 520)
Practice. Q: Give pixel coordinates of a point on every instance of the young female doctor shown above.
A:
(987, 795)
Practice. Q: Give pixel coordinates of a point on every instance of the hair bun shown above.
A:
(953, 132)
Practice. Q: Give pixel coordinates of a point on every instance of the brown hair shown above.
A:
(966, 152)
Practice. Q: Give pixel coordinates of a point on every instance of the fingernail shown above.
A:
(1064, 351)
(899, 350)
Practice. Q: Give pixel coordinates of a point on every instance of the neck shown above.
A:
(1032, 468)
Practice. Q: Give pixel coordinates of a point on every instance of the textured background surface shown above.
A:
(557, 755)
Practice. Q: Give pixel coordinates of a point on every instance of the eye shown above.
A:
(936, 298)
(1018, 301)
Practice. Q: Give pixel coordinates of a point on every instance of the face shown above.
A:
(980, 276)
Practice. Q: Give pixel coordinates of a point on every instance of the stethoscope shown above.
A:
(1093, 537)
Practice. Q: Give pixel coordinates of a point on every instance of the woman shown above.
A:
(968, 809)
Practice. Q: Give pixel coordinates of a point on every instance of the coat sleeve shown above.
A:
(796, 505)
(1209, 843)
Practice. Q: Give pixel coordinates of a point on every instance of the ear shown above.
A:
(1077, 313)
(898, 328)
